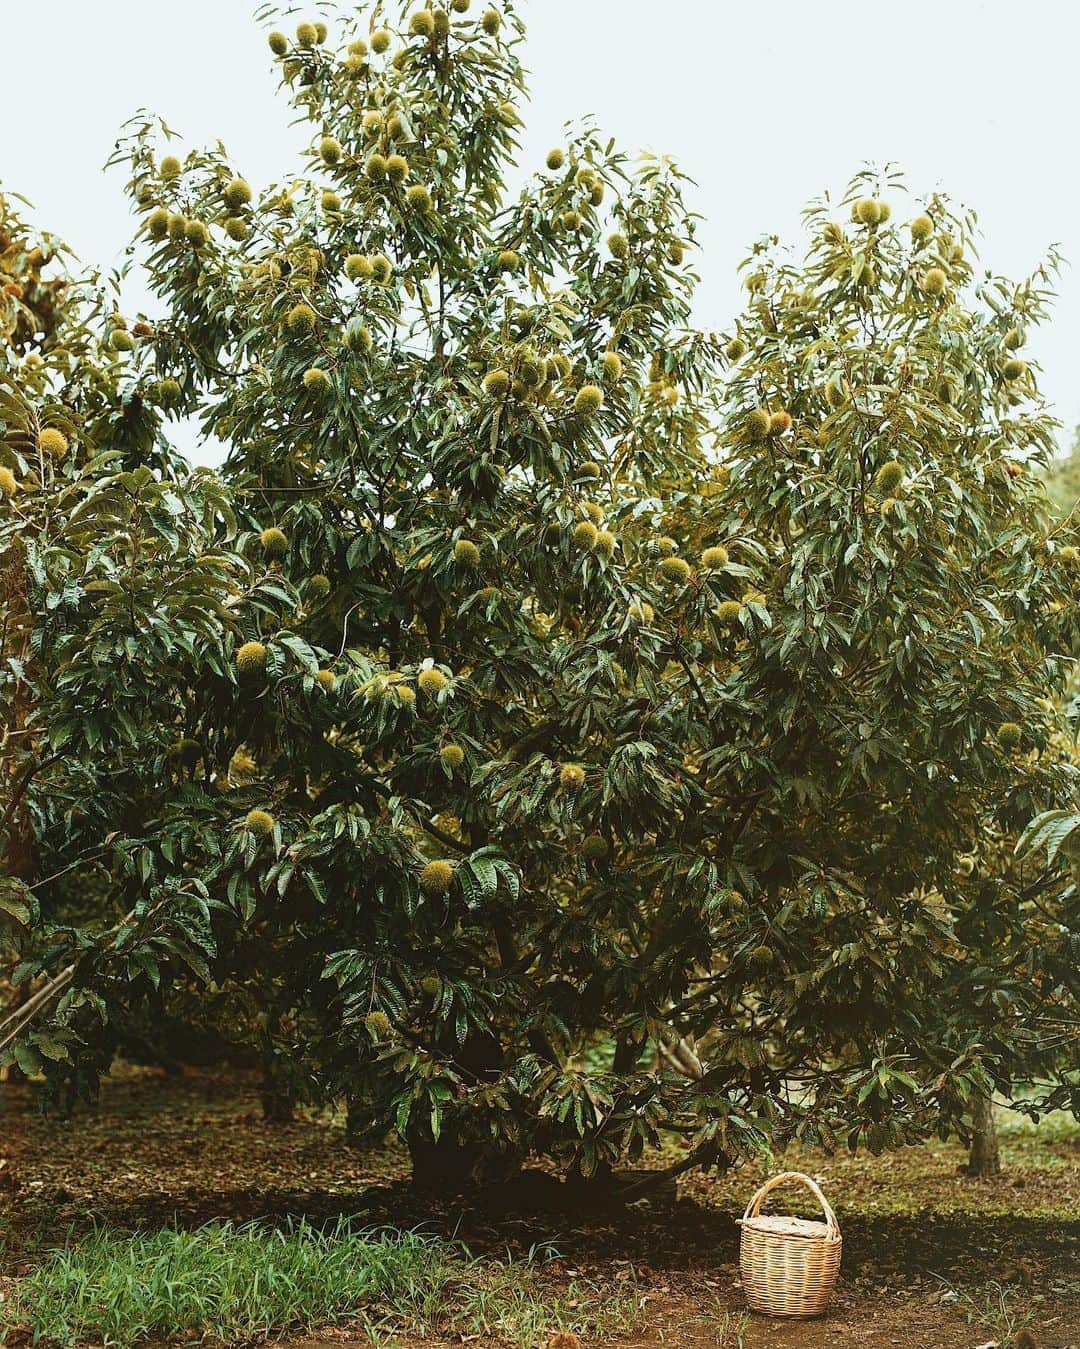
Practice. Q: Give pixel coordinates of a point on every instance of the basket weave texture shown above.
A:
(788, 1265)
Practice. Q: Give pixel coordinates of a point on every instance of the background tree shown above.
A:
(28, 321)
(40, 334)
(110, 577)
(1063, 478)
(917, 422)
(559, 704)
(34, 314)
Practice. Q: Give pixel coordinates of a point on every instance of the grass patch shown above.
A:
(239, 1283)
(1055, 1134)
(993, 1308)
(730, 1327)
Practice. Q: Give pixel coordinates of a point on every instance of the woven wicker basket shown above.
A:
(788, 1265)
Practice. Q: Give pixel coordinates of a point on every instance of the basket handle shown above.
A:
(754, 1206)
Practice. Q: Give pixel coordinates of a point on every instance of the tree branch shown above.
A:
(25, 778)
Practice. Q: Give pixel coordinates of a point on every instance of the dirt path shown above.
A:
(680, 1322)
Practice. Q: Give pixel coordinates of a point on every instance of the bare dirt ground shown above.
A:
(929, 1255)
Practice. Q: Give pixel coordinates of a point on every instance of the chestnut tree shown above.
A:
(597, 724)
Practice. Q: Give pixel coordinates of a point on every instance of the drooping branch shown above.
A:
(703, 1155)
(683, 1059)
(14, 1025)
(25, 778)
(428, 826)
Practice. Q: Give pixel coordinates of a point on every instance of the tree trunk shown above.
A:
(445, 1167)
(984, 1161)
(355, 1124)
(455, 1166)
(278, 1099)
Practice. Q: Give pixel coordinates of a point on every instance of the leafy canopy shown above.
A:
(564, 726)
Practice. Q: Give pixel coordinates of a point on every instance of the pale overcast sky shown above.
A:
(765, 104)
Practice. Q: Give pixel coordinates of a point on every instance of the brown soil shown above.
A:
(677, 1322)
(919, 1239)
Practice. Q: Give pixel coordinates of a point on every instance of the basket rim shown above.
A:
(768, 1225)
